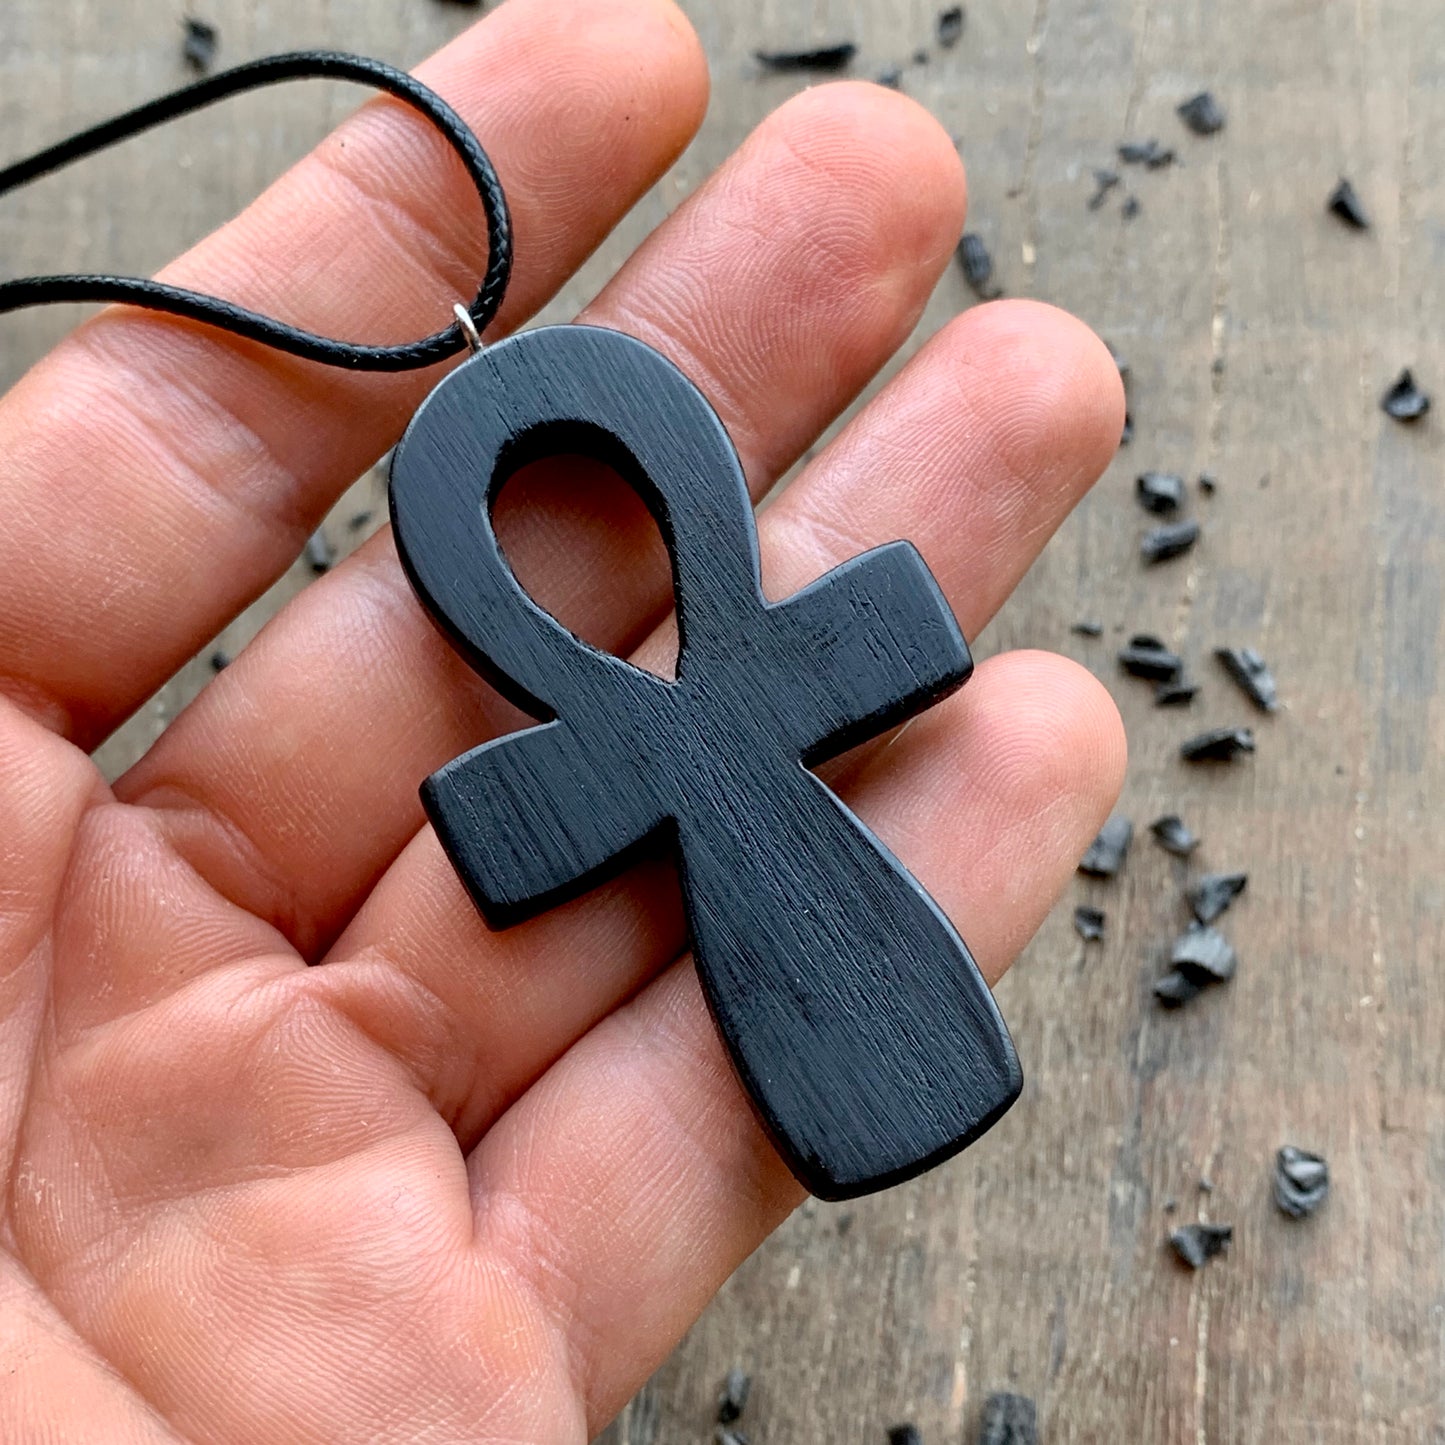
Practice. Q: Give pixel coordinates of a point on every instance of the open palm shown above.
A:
(455, 1185)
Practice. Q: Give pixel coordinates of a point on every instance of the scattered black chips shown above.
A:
(1147, 153)
(1345, 204)
(1104, 182)
(1301, 1181)
(199, 46)
(1173, 835)
(905, 1434)
(1405, 401)
(1197, 1244)
(825, 59)
(1087, 627)
(733, 1398)
(1107, 852)
(950, 26)
(1008, 1420)
(976, 264)
(1213, 894)
(1248, 669)
(1173, 539)
(1089, 923)
(1159, 491)
(1204, 955)
(1147, 657)
(1218, 745)
(1202, 114)
(1175, 694)
(320, 554)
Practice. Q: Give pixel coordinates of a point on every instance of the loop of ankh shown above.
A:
(854, 1014)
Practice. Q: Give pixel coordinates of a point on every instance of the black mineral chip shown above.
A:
(1107, 852)
(1197, 1244)
(1345, 204)
(1202, 114)
(733, 1397)
(1159, 491)
(1208, 483)
(1203, 955)
(1218, 745)
(1171, 540)
(1178, 693)
(1087, 627)
(1176, 989)
(950, 26)
(1128, 433)
(1301, 1181)
(1147, 153)
(891, 77)
(1405, 401)
(1248, 669)
(1089, 923)
(825, 58)
(320, 554)
(220, 660)
(1104, 182)
(1213, 894)
(905, 1434)
(1131, 207)
(199, 46)
(977, 266)
(1008, 1420)
(1173, 835)
(1147, 657)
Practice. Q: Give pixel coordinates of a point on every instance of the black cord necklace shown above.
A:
(854, 1013)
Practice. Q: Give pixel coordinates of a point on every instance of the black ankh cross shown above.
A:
(855, 1016)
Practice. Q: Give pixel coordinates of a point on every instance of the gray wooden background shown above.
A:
(1260, 334)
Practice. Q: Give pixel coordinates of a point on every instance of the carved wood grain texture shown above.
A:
(1037, 1261)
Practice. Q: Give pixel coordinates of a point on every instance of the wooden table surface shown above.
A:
(1260, 334)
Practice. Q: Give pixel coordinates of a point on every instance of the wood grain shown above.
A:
(1260, 333)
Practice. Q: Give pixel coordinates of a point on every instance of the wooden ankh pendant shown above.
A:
(854, 1014)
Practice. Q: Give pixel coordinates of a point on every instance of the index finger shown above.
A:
(160, 475)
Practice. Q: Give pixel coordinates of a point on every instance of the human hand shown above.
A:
(456, 1185)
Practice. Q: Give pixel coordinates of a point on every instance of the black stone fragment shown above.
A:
(892, 78)
(1218, 745)
(199, 46)
(360, 520)
(824, 58)
(220, 660)
(920, 56)
(950, 26)
(1203, 955)
(1159, 491)
(1089, 923)
(1008, 1420)
(1197, 1244)
(726, 1435)
(320, 554)
(1178, 693)
(1174, 836)
(1405, 401)
(1175, 989)
(1208, 483)
(1148, 153)
(977, 266)
(905, 1434)
(1131, 207)
(1248, 669)
(1213, 894)
(1087, 628)
(1345, 204)
(1147, 657)
(1107, 852)
(1202, 114)
(1128, 434)
(1104, 182)
(1301, 1181)
(1206, 1184)
(733, 1399)
(1171, 540)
